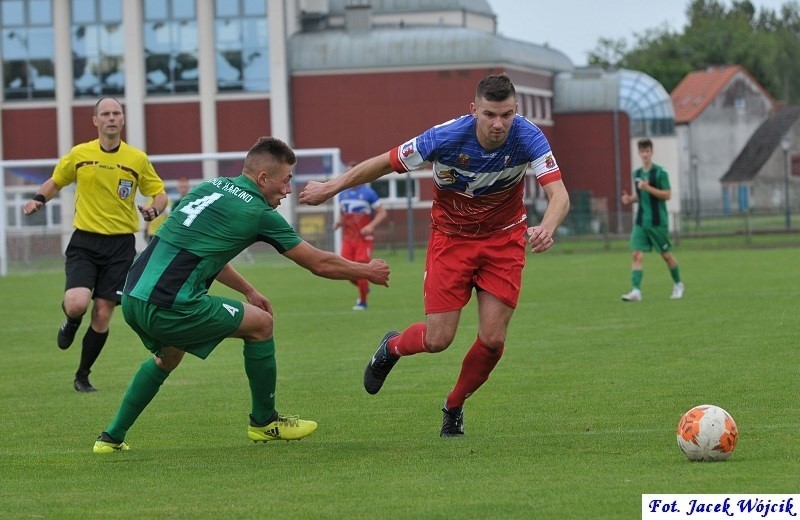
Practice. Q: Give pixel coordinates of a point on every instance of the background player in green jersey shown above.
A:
(166, 300)
(651, 227)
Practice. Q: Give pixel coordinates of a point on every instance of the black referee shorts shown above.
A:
(99, 263)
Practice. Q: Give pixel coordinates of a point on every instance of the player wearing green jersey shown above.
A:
(651, 227)
(166, 300)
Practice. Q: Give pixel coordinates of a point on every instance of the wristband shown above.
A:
(40, 198)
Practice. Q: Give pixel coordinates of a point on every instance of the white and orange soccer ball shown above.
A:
(708, 433)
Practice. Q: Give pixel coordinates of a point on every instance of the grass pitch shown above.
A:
(577, 421)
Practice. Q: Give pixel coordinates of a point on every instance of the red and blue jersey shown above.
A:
(356, 206)
(478, 192)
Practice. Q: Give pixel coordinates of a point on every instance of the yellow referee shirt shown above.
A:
(106, 184)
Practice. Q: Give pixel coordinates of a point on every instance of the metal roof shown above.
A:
(413, 6)
(416, 46)
(593, 89)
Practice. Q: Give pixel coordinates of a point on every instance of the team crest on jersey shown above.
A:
(550, 161)
(408, 149)
(124, 188)
(463, 160)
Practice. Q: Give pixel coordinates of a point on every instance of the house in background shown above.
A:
(767, 172)
(717, 110)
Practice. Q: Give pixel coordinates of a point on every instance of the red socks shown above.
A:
(363, 290)
(411, 341)
(475, 369)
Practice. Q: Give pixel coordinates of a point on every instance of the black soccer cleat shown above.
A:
(83, 385)
(379, 365)
(452, 423)
(66, 334)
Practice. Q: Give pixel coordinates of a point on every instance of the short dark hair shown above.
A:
(495, 87)
(644, 143)
(269, 146)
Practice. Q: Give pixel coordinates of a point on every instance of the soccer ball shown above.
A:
(708, 433)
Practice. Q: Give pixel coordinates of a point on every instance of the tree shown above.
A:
(765, 42)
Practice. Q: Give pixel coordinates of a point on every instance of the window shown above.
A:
(647, 103)
(28, 49)
(97, 48)
(740, 105)
(170, 46)
(242, 46)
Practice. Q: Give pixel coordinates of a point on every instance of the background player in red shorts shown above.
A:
(360, 212)
(478, 227)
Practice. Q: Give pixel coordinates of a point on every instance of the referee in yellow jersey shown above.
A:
(107, 172)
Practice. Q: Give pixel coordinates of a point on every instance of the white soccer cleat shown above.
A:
(634, 296)
(677, 291)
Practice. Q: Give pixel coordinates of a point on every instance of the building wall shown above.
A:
(29, 133)
(365, 114)
(241, 122)
(768, 189)
(83, 128)
(173, 128)
(584, 149)
(720, 133)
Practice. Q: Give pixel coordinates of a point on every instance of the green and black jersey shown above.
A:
(213, 223)
(652, 211)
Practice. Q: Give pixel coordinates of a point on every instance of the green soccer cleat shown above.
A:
(281, 428)
(105, 444)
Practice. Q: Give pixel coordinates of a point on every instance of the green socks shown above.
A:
(142, 390)
(675, 272)
(636, 278)
(262, 374)
(259, 365)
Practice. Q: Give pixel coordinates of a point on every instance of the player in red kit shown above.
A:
(478, 231)
(360, 212)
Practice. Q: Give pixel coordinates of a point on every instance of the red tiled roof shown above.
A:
(699, 88)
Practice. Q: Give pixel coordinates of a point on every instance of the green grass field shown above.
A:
(577, 421)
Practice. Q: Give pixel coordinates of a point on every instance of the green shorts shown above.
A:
(197, 329)
(648, 238)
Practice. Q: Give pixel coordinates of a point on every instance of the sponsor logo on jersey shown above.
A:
(124, 188)
(407, 149)
(550, 161)
(448, 176)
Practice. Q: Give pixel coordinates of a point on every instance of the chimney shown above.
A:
(358, 16)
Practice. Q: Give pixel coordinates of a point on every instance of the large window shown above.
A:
(242, 46)
(28, 49)
(97, 48)
(647, 103)
(170, 46)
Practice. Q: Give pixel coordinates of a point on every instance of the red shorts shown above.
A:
(357, 250)
(455, 265)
